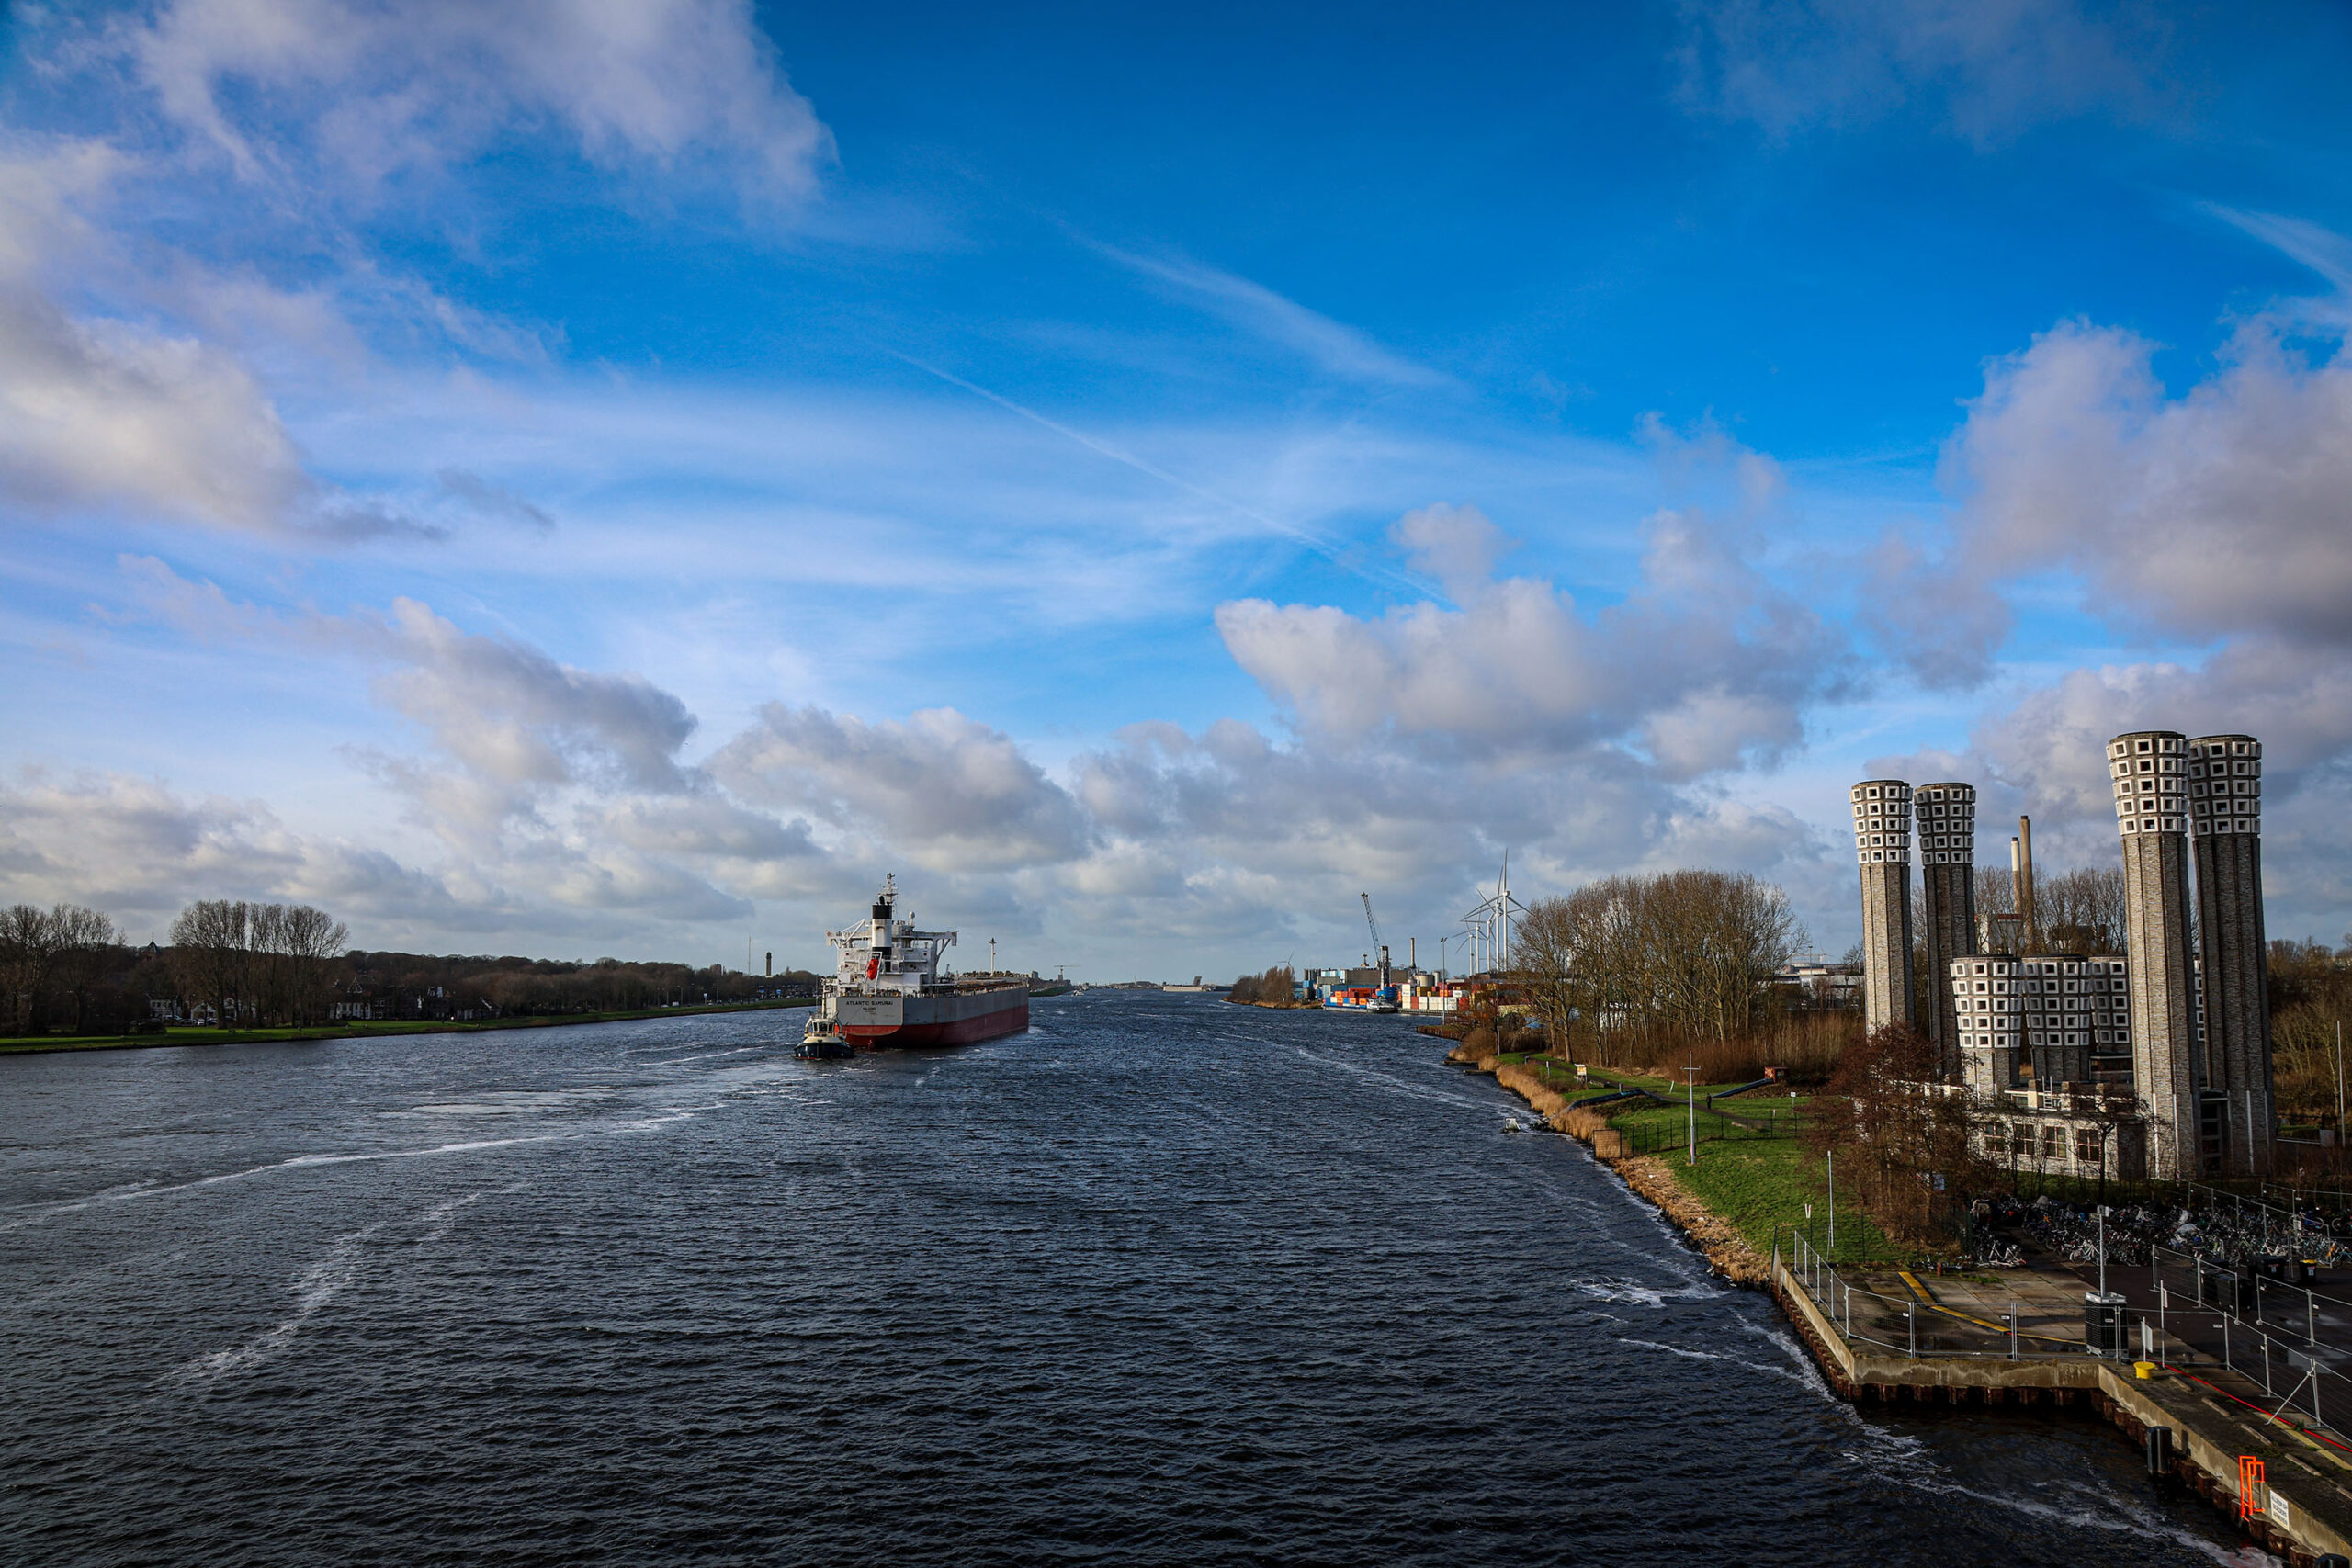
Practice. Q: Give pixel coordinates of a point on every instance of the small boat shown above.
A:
(821, 1042)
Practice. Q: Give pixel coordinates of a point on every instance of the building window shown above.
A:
(2088, 1144)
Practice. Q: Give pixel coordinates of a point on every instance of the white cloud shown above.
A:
(949, 792)
(129, 368)
(1706, 664)
(2324, 250)
(1456, 545)
(1941, 623)
(514, 717)
(373, 90)
(2218, 512)
(1990, 67)
(137, 848)
(103, 412)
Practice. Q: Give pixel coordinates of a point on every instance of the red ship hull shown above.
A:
(961, 1018)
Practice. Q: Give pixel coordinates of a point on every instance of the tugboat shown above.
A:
(820, 1040)
(886, 990)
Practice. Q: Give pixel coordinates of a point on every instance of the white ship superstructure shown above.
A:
(889, 987)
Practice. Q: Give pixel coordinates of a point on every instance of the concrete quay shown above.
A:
(2300, 1508)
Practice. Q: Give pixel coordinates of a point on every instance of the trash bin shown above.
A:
(2229, 1290)
(2103, 1323)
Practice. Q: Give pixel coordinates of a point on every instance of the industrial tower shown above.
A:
(1883, 842)
(1947, 823)
(2150, 771)
(2225, 818)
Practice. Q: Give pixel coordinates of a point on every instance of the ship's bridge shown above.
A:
(886, 953)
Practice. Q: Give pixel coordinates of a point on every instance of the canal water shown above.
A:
(1163, 1280)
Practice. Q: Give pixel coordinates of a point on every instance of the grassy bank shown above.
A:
(360, 1029)
(1756, 1185)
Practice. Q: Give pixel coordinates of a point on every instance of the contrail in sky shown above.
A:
(1312, 541)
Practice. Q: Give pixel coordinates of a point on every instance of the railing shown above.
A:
(1913, 1327)
(2186, 1313)
(1662, 1140)
(2279, 1346)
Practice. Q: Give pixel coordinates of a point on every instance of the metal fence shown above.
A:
(1667, 1140)
(2267, 1330)
(1909, 1325)
(2180, 1311)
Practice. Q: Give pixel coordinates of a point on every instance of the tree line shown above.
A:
(50, 957)
(258, 964)
(250, 964)
(1278, 986)
(1631, 961)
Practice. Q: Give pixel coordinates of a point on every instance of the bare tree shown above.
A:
(210, 955)
(1909, 1152)
(28, 943)
(310, 941)
(265, 961)
(1687, 952)
(86, 947)
(1545, 947)
(1996, 897)
(2081, 912)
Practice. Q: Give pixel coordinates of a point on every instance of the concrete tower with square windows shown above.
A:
(1988, 1004)
(2149, 770)
(2225, 842)
(1883, 842)
(1945, 817)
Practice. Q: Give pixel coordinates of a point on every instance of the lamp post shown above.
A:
(1690, 1097)
(2339, 1082)
(1833, 1202)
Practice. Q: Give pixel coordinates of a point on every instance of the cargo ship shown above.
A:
(1363, 998)
(888, 990)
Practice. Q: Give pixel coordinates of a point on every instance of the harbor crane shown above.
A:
(1379, 948)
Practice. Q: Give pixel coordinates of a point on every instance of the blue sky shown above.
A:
(557, 480)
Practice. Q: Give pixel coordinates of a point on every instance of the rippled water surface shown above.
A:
(1162, 1280)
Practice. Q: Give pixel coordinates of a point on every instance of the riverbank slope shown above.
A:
(1727, 1252)
(365, 1029)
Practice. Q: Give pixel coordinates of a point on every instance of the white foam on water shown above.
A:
(322, 1281)
(711, 1055)
(40, 1212)
(1627, 1291)
(470, 1146)
(2113, 1513)
(437, 1220)
(1395, 1085)
(1800, 1366)
(514, 1103)
(646, 1123)
(313, 1289)
(132, 1193)
(1765, 1368)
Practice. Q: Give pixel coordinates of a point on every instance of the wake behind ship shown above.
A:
(886, 990)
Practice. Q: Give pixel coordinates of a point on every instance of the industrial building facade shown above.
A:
(2182, 1015)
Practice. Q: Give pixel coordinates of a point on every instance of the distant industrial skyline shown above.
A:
(550, 479)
